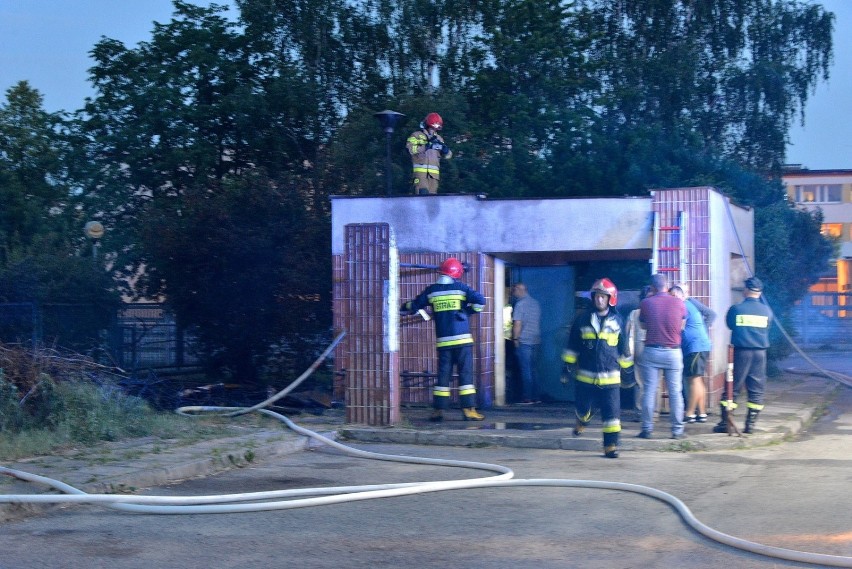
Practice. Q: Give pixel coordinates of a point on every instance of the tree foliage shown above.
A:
(33, 186)
(210, 149)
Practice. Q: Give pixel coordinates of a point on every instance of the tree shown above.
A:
(33, 187)
(733, 72)
(41, 230)
(540, 98)
(205, 148)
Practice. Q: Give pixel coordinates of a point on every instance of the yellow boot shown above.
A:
(470, 414)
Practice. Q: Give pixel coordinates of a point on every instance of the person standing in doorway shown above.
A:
(663, 317)
(452, 302)
(426, 148)
(695, 345)
(597, 355)
(526, 337)
(636, 341)
(749, 322)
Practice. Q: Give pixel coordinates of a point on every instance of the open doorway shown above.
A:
(553, 288)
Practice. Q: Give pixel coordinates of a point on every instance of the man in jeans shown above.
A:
(526, 335)
(663, 317)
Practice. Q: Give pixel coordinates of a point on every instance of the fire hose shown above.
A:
(308, 497)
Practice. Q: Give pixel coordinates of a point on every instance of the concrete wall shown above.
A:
(442, 223)
(732, 230)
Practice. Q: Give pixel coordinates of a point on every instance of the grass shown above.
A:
(67, 416)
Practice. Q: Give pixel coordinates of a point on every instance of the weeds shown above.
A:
(50, 403)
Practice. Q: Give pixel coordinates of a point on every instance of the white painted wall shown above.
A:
(727, 266)
(442, 223)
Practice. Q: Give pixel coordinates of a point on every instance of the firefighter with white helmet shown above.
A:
(426, 148)
(451, 301)
(597, 355)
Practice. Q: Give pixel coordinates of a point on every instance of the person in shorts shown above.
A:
(695, 344)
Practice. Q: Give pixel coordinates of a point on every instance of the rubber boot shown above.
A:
(470, 414)
(611, 451)
(579, 427)
(751, 419)
(437, 416)
(722, 425)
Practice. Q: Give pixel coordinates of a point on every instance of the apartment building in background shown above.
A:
(831, 192)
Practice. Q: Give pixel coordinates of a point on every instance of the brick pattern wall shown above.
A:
(370, 382)
(695, 202)
(417, 355)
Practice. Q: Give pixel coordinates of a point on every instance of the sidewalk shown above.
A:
(794, 400)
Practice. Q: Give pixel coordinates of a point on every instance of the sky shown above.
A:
(47, 43)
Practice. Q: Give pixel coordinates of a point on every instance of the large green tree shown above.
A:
(210, 121)
(205, 148)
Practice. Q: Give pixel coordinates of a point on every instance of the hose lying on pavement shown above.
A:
(306, 497)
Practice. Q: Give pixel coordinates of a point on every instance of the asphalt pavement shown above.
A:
(794, 399)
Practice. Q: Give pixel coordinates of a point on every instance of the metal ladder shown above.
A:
(668, 257)
(669, 245)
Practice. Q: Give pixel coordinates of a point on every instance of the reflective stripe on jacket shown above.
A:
(425, 160)
(451, 302)
(599, 355)
(749, 322)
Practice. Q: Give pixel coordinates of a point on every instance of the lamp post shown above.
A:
(94, 230)
(388, 120)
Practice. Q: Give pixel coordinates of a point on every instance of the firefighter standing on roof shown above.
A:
(426, 148)
(452, 302)
(749, 322)
(596, 356)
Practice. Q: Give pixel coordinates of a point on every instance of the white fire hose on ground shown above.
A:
(306, 497)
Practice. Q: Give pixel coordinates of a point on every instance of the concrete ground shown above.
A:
(794, 400)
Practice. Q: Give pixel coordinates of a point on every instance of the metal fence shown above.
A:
(137, 337)
(146, 336)
(824, 318)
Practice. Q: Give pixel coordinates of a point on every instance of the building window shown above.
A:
(819, 193)
(832, 230)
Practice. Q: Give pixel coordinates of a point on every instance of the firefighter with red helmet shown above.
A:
(426, 148)
(451, 302)
(597, 355)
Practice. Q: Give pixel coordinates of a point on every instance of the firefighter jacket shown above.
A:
(749, 322)
(451, 301)
(426, 159)
(599, 348)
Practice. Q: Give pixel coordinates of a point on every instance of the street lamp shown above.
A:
(94, 230)
(388, 120)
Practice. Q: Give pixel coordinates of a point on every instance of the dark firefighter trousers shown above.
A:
(607, 398)
(462, 358)
(750, 369)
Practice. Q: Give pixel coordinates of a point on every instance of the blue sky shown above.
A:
(47, 42)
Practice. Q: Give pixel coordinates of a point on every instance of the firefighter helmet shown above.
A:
(452, 268)
(607, 287)
(434, 121)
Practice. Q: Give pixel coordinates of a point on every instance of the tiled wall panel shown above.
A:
(369, 364)
(667, 205)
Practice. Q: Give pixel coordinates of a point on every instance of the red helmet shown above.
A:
(434, 121)
(452, 268)
(607, 287)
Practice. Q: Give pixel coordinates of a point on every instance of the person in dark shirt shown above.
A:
(663, 317)
(749, 322)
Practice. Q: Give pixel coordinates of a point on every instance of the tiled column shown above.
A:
(371, 378)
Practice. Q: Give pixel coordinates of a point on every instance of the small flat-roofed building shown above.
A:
(386, 249)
